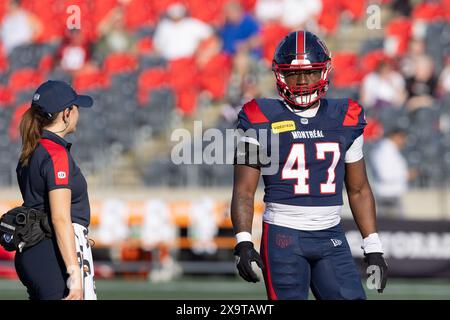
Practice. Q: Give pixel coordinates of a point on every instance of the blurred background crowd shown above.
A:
(156, 65)
(152, 64)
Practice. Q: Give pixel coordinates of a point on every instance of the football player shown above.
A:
(303, 245)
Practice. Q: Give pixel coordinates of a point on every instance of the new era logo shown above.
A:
(61, 175)
(336, 242)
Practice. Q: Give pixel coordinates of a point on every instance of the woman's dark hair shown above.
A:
(31, 126)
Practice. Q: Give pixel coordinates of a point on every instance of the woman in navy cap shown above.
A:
(60, 267)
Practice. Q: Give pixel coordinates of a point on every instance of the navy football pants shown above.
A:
(296, 260)
(42, 270)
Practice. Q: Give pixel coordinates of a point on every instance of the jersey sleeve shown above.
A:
(355, 152)
(56, 169)
(248, 149)
(354, 119)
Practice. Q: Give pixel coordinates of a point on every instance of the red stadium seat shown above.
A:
(446, 8)
(13, 131)
(90, 80)
(52, 15)
(429, 12)
(3, 61)
(101, 9)
(186, 100)
(25, 79)
(120, 62)
(214, 77)
(356, 8)
(2, 9)
(6, 96)
(271, 34)
(207, 11)
(329, 17)
(46, 63)
(373, 130)
(371, 60)
(148, 80)
(140, 13)
(145, 46)
(400, 29)
(346, 71)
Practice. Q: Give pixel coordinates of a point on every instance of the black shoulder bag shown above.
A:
(23, 227)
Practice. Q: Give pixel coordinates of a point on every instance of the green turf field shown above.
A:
(228, 288)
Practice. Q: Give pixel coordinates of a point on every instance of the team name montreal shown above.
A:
(307, 134)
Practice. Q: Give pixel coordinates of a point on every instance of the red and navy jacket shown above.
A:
(51, 167)
(311, 159)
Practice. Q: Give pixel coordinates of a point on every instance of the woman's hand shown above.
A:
(74, 283)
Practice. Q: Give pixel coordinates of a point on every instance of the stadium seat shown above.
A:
(25, 79)
(371, 45)
(370, 60)
(346, 71)
(13, 131)
(3, 61)
(90, 80)
(183, 78)
(45, 11)
(209, 12)
(145, 46)
(399, 30)
(271, 34)
(151, 61)
(6, 97)
(329, 17)
(429, 11)
(120, 62)
(148, 80)
(214, 77)
(140, 13)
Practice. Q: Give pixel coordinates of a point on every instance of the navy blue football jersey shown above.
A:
(310, 166)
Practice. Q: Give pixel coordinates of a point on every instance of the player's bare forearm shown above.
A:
(242, 204)
(360, 197)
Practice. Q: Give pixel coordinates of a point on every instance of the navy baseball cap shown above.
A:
(56, 96)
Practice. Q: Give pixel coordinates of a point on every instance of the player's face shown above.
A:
(301, 77)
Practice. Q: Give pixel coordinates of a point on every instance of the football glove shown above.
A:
(376, 259)
(246, 254)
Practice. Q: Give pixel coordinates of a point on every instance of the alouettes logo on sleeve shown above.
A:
(62, 175)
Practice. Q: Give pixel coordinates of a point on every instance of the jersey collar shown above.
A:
(55, 138)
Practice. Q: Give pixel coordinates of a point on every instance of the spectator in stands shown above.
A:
(74, 51)
(19, 27)
(114, 37)
(240, 31)
(384, 87)
(407, 63)
(402, 7)
(178, 35)
(444, 79)
(298, 14)
(294, 14)
(421, 87)
(391, 173)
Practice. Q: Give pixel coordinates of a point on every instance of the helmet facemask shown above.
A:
(304, 95)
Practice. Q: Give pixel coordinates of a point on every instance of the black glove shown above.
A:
(376, 259)
(246, 254)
